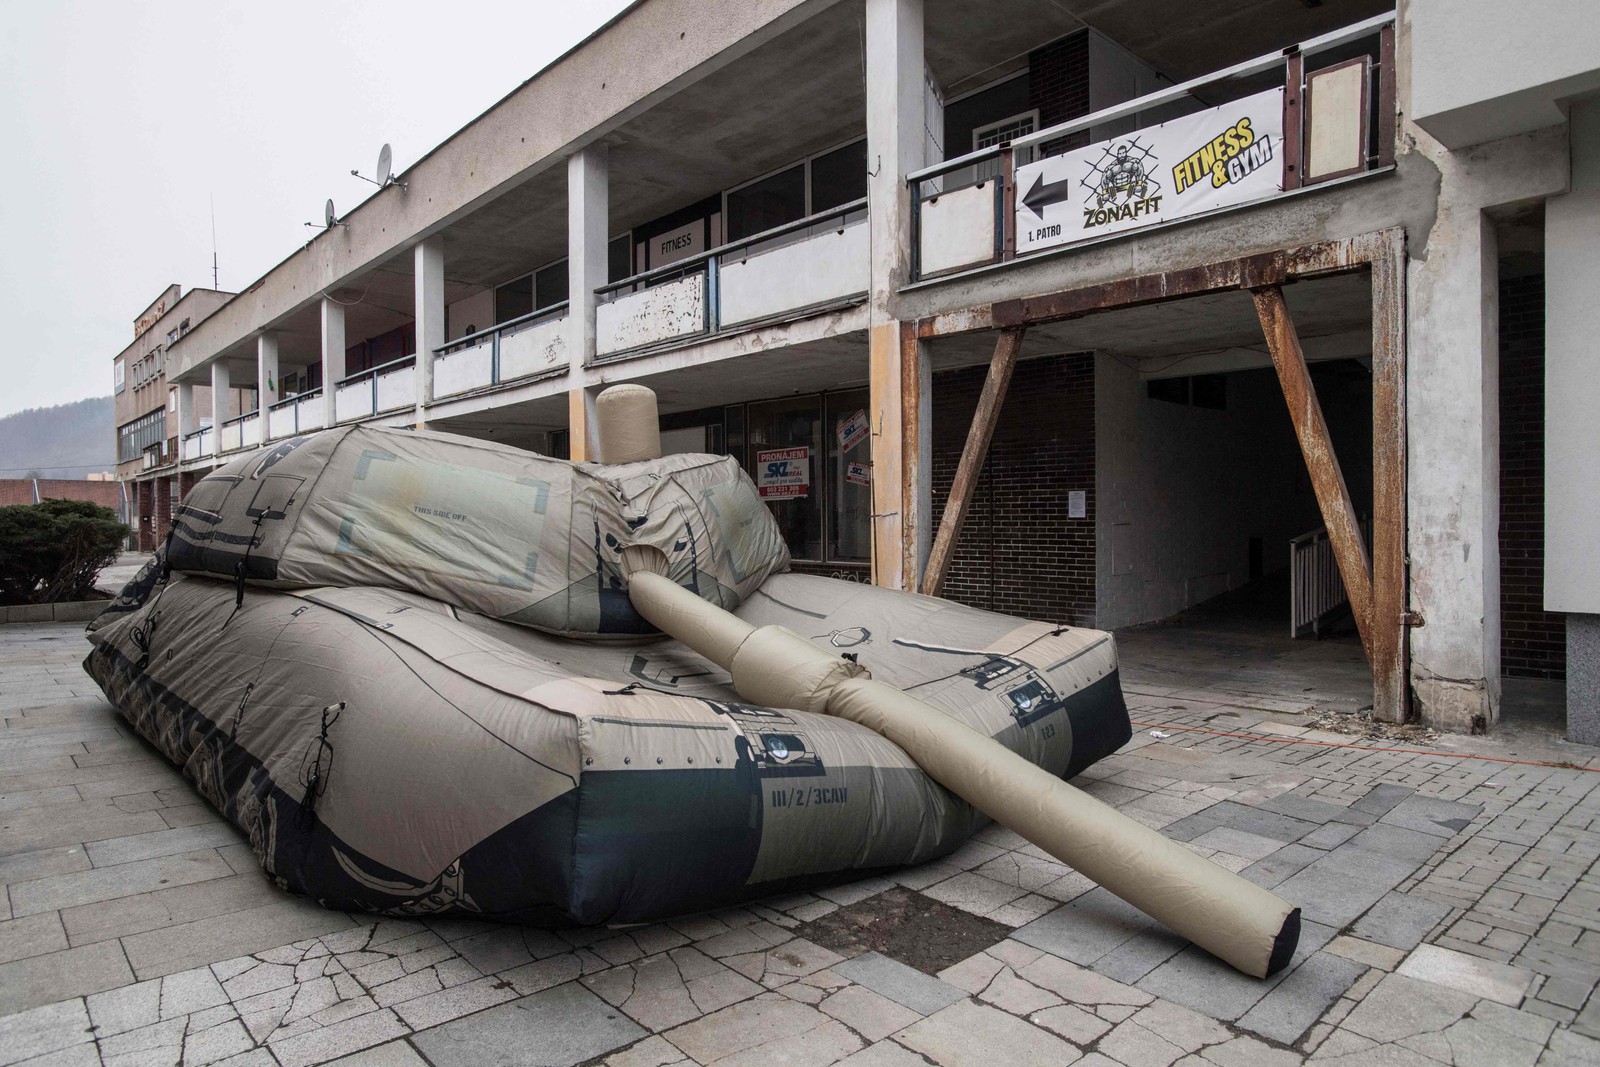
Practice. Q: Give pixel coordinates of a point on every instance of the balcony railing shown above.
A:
(802, 267)
(386, 387)
(1000, 203)
(294, 415)
(234, 435)
(530, 346)
(197, 443)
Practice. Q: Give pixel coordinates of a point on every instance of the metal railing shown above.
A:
(370, 376)
(1316, 589)
(283, 416)
(503, 354)
(233, 436)
(998, 164)
(695, 303)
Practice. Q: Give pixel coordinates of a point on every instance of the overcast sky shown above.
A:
(120, 120)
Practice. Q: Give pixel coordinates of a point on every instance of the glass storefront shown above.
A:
(811, 459)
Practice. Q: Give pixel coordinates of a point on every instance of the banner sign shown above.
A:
(783, 473)
(853, 431)
(1214, 158)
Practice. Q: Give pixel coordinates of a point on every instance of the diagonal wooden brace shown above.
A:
(973, 455)
(1333, 497)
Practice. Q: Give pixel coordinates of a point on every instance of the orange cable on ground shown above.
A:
(1368, 748)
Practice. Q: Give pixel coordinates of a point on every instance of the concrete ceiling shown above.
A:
(523, 229)
(1184, 41)
(838, 362)
(521, 425)
(374, 304)
(795, 95)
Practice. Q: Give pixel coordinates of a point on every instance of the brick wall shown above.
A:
(1019, 553)
(1058, 85)
(163, 509)
(1533, 642)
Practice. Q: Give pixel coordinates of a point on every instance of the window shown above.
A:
(387, 347)
(619, 258)
(119, 376)
(550, 286)
(1200, 390)
(136, 436)
(810, 457)
(839, 177)
(767, 202)
(513, 299)
(983, 108)
(1006, 130)
(783, 441)
(849, 478)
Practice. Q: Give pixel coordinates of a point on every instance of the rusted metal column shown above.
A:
(916, 452)
(1386, 101)
(973, 455)
(1333, 497)
(1294, 141)
(1388, 638)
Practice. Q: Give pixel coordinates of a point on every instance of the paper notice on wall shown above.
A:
(1214, 158)
(853, 430)
(1077, 503)
(858, 473)
(783, 473)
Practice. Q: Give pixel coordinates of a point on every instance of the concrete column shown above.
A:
(1572, 433)
(428, 270)
(583, 437)
(895, 141)
(267, 377)
(1453, 466)
(187, 418)
(219, 403)
(588, 222)
(333, 347)
(898, 369)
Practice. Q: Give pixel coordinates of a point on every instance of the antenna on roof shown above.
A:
(384, 171)
(214, 283)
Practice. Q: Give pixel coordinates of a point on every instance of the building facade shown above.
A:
(1165, 306)
(145, 408)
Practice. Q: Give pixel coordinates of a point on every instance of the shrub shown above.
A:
(54, 550)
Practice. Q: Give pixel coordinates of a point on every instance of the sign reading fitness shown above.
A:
(1214, 158)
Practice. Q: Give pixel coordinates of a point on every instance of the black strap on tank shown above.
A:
(239, 571)
(314, 774)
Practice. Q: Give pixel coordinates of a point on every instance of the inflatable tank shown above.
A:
(430, 674)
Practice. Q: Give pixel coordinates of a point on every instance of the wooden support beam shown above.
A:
(1390, 634)
(973, 455)
(1333, 497)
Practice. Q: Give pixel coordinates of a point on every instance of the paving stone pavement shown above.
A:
(1451, 907)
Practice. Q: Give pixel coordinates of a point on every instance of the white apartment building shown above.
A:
(832, 235)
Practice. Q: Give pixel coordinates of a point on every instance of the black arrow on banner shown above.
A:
(1043, 194)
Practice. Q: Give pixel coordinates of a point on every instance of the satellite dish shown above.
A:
(330, 219)
(385, 171)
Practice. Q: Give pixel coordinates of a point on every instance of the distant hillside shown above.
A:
(66, 441)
